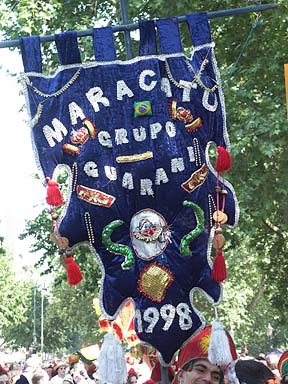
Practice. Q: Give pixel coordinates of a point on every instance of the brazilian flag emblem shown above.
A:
(142, 108)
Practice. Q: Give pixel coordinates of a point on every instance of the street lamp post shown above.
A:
(43, 291)
(34, 316)
(269, 333)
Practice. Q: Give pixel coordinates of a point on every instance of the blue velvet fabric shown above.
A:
(148, 44)
(199, 28)
(105, 94)
(103, 43)
(67, 48)
(31, 54)
(169, 36)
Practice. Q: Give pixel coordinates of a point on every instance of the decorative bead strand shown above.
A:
(36, 118)
(211, 203)
(57, 93)
(224, 194)
(88, 224)
(197, 154)
(74, 176)
(196, 76)
(198, 79)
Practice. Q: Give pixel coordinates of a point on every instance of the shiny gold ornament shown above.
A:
(154, 282)
(220, 217)
(63, 242)
(218, 241)
(194, 125)
(133, 158)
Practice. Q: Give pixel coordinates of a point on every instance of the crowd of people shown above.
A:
(191, 367)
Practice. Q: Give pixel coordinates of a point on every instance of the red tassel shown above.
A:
(53, 196)
(219, 272)
(223, 162)
(74, 274)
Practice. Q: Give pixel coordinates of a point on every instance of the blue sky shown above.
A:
(19, 193)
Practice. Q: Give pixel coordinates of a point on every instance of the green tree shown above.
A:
(14, 293)
(70, 319)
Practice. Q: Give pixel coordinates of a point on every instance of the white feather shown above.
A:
(112, 365)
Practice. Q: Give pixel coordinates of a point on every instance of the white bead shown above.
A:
(205, 101)
(127, 181)
(56, 134)
(146, 187)
(121, 136)
(75, 113)
(142, 78)
(177, 165)
(90, 168)
(122, 90)
(170, 129)
(161, 176)
(139, 134)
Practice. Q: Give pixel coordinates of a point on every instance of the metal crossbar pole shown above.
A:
(164, 375)
(133, 26)
(127, 36)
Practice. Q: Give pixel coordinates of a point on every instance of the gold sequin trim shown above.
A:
(132, 158)
(154, 281)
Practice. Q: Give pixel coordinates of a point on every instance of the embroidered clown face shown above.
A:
(149, 234)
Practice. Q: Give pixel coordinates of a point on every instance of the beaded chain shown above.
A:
(57, 93)
(89, 227)
(212, 208)
(36, 118)
(74, 176)
(197, 153)
(196, 77)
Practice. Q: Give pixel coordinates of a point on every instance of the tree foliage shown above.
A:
(250, 51)
(14, 294)
(70, 319)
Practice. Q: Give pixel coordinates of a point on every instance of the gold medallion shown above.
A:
(220, 217)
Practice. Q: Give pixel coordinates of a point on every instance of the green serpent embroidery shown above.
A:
(187, 239)
(118, 249)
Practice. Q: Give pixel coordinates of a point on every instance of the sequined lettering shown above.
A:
(57, 133)
(165, 317)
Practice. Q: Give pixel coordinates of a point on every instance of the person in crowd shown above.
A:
(272, 360)
(132, 377)
(91, 370)
(60, 373)
(156, 373)
(149, 381)
(72, 360)
(254, 372)
(40, 376)
(283, 367)
(79, 374)
(31, 364)
(193, 364)
(48, 367)
(14, 372)
(68, 380)
(4, 378)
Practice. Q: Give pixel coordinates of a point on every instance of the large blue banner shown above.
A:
(135, 138)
